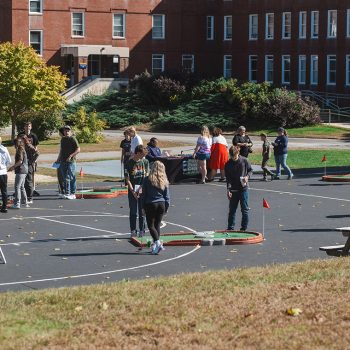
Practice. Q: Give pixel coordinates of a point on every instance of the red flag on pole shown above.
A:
(265, 204)
(324, 159)
(81, 173)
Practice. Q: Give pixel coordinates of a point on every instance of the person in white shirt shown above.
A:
(5, 161)
(135, 139)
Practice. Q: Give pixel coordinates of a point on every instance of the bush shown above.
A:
(87, 126)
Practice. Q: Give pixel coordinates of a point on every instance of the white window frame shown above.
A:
(227, 34)
(302, 72)
(187, 56)
(41, 40)
(250, 70)
(302, 24)
(285, 26)
(253, 30)
(313, 78)
(333, 58)
(226, 70)
(210, 27)
(315, 15)
(162, 16)
(41, 7)
(114, 25)
(269, 58)
(83, 24)
(286, 58)
(348, 23)
(158, 56)
(269, 35)
(347, 70)
(332, 27)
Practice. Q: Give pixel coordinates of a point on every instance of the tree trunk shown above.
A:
(13, 129)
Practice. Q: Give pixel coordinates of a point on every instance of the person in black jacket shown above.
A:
(238, 170)
(280, 149)
(242, 140)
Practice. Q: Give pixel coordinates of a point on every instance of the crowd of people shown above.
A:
(145, 175)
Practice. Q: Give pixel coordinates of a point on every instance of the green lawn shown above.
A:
(317, 131)
(301, 159)
(232, 309)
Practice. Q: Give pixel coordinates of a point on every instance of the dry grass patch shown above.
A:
(243, 308)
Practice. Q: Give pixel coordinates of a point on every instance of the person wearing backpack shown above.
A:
(5, 161)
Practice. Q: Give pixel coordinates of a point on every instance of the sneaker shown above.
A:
(30, 201)
(3, 210)
(290, 177)
(141, 233)
(27, 205)
(70, 196)
(133, 234)
(157, 249)
(222, 179)
(16, 206)
(61, 195)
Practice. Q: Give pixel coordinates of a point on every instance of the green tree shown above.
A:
(87, 125)
(27, 85)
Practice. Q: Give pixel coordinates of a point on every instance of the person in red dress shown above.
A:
(219, 155)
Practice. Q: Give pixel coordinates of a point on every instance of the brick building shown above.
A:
(302, 44)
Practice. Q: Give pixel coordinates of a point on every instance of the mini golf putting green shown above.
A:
(102, 192)
(336, 178)
(210, 238)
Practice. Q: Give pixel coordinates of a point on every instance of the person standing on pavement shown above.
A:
(202, 152)
(155, 201)
(238, 170)
(67, 158)
(135, 139)
(280, 149)
(137, 168)
(5, 161)
(125, 146)
(242, 140)
(31, 143)
(21, 170)
(266, 153)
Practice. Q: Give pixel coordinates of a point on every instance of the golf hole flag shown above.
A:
(265, 204)
(324, 159)
(81, 172)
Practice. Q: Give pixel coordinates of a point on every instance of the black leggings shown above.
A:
(154, 215)
(3, 189)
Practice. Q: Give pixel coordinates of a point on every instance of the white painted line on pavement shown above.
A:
(99, 273)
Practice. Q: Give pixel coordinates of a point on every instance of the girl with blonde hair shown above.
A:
(202, 152)
(155, 201)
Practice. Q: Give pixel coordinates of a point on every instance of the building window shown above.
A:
(285, 69)
(157, 64)
(347, 67)
(36, 6)
(302, 24)
(253, 68)
(269, 26)
(286, 25)
(253, 27)
(78, 29)
(314, 70)
(188, 63)
(315, 15)
(227, 27)
(302, 70)
(158, 26)
(36, 41)
(269, 68)
(210, 27)
(119, 25)
(331, 70)
(332, 24)
(348, 23)
(227, 66)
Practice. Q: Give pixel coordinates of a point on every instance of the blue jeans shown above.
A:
(281, 160)
(135, 206)
(240, 196)
(68, 170)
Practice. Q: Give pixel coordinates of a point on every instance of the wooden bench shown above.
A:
(339, 250)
